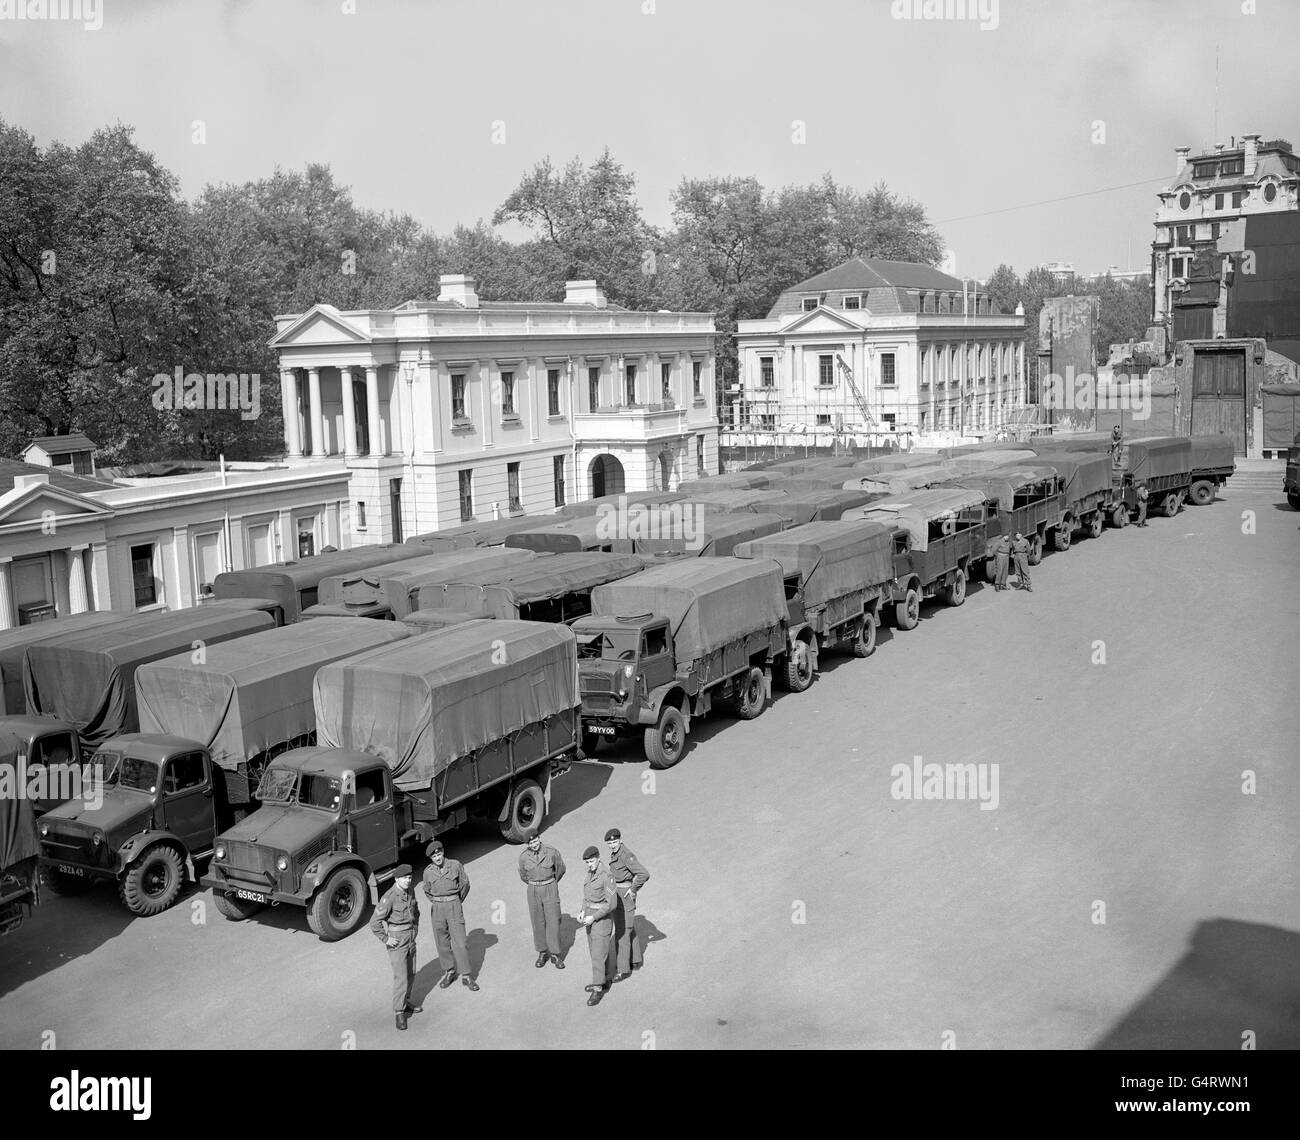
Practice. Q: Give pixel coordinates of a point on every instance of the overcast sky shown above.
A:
(400, 98)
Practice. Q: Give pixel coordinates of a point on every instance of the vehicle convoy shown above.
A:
(1291, 480)
(20, 882)
(392, 591)
(838, 578)
(588, 507)
(732, 481)
(13, 647)
(209, 730)
(489, 532)
(1085, 493)
(707, 534)
(661, 647)
(1024, 500)
(740, 500)
(553, 588)
(413, 739)
(1146, 473)
(939, 535)
(293, 585)
(800, 506)
(1213, 463)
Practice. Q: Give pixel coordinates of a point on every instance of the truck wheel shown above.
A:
(955, 593)
(1170, 505)
(1293, 497)
(1202, 492)
(751, 698)
(153, 882)
(339, 906)
(1035, 550)
(799, 668)
(990, 570)
(665, 743)
(236, 909)
(908, 612)
(864, 640)
(62, 884)
(1095, 524)
(524, 811)
(1119, 517)
(1061, 536)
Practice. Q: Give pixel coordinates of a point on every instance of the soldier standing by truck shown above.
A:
(1001, 562)
(541, 868)
(446, 885)
(1020, 551)
(396, 924)
(629, 877)
(599, 900)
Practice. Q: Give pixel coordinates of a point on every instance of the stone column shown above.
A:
(350, 449)
(292, 423)
(372, 409)
(315, 428)
(6, 595)
(99, 590)
(78, 602)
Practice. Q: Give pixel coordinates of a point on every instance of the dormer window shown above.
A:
(810, 303)
(1203, 169)
(853, 301)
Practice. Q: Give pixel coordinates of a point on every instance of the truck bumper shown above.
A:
(79, 869)
(226, 886)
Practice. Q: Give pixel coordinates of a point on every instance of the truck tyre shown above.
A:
(235, 909)
(1061, 536)
(1293, 497)
(908, 612)
(524, 811)
(1171, 504)
(990, 570)
(1095, 524)
(799, 667)
(1119, 517)
(750, 698)
(955, 593)
(62, 884)
(864, 639)
(1035, 550)
(339, 906)
(1202, 492)
(153, 882)
(665, 742)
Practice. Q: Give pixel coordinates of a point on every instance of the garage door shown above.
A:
(1219, 396)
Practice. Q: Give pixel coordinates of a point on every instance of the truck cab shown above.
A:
(621, 662)
(51, 750)
(157, 813)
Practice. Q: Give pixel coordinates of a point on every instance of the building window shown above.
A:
(1203, 170)
(1214, 231)
(810, 303)
(143, 580)
(825, 371)
(1270, 191)
(552, 391)
(306, 536)
(467, 495)
(458, 396)
(666, 382)
(1218, 201)
(697, 378)
(920, 302)
(361, 514)
(629, 383)
(1178, 266)
(767, 423)
(924, 416)
(823, 419)
(853, 302)
(507, 393)
(1232, 166)
(593, 388)
(769, 372)
(1238, 197)
(512, 486)
(557, 464)
(888, 420)
(207, 560)
(887, 370)
(699, 454)
(258, 544)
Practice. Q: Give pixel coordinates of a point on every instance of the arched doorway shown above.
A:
(606, 474)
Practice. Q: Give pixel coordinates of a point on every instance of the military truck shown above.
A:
(209, 730)
(553, 588)
(392, 591)
(627, 499)
(939, 535)
(1085, 493)
(14, 643)
(45, 753)
(1020, 499)
(1291, 480)
(1159, 465)
(731, 481)
(413, 740)
(20, 881)
(490, 532)
(1213, 463)
(704, 533)
(292, 586)
(838, 579)
(425, 621)
(661, 647)
(571, 536)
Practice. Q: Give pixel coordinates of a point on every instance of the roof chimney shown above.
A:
(459, 288)
(1182, 152)
(584, 293)
(1251, 143)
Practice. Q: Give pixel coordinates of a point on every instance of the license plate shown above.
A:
(64, 869)
(251, 896)
(601, 729)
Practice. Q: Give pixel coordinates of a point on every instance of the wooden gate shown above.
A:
(1219, 395)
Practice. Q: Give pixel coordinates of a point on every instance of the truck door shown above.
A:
(56, 753)
(373, 824)
(656, 661)
(187, 800)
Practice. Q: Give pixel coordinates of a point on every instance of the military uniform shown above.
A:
(542, 872)
(446, 888)
(599, 901)
(1001, 561)
(629, 877)
(1020, 550)
(397, 919)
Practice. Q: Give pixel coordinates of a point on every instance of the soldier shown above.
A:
(629, 877)
(1141, 519)
(1020, 551)
(598, 903)
(446, 884)
(1001, 561)
(396, 924)
(541, 868)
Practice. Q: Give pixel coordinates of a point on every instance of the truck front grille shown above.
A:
(249, 857)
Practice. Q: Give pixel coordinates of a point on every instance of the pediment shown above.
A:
(824, 321)
(321, 324)
(36, 504)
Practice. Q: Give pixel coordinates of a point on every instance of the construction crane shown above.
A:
(869, 419)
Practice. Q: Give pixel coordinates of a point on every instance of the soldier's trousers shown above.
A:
(449, 930)
(599, 935)
(1022, 569)
(625, 931)
(544, 912)
(1001, 564)
(402, 959)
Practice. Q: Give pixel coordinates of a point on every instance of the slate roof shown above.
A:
(78, 484)
(62, 444)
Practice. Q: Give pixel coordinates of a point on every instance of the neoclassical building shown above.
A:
(457, 409)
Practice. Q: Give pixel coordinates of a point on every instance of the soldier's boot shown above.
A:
(401, 1020)
(542, 959)
(410, 1009)
(446, 979)
(559, 962)
(622, 977)
(470, 983)
(596, 994)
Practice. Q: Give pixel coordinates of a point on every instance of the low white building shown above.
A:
(444, 412)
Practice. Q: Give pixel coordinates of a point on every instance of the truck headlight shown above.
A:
(627, 671)
(282, 864)
(45, 830)
(220, 852)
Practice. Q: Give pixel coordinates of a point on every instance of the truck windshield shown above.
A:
(319, 791)
(277, 785)
(610, 644)
(129, 772)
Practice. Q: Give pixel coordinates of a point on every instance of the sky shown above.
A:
(437, 108)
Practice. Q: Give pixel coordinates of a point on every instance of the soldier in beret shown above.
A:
(446, 885)
(598, 902)
(541, 868)
(629, 877)
(396, 924)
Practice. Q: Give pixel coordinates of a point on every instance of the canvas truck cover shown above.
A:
(1079, 441)
(569, 536)
(1281, 415)
(889, 463)
(87, 679)
(549, 577)
(13, 647)
(914, 513)
(795, 509)
(737, 500)
(422, 621)
(491, 532)
(977, 461)
(732, 481)
(1154, 456)
(1208, 452)
(255, 693)
(1000, 484)
(591, 506)
(424, 702)
(717, 537)
(914, 478)
(394, 583)
(709, 602)
(18, 839)
(832, 558)
(1082, 473)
